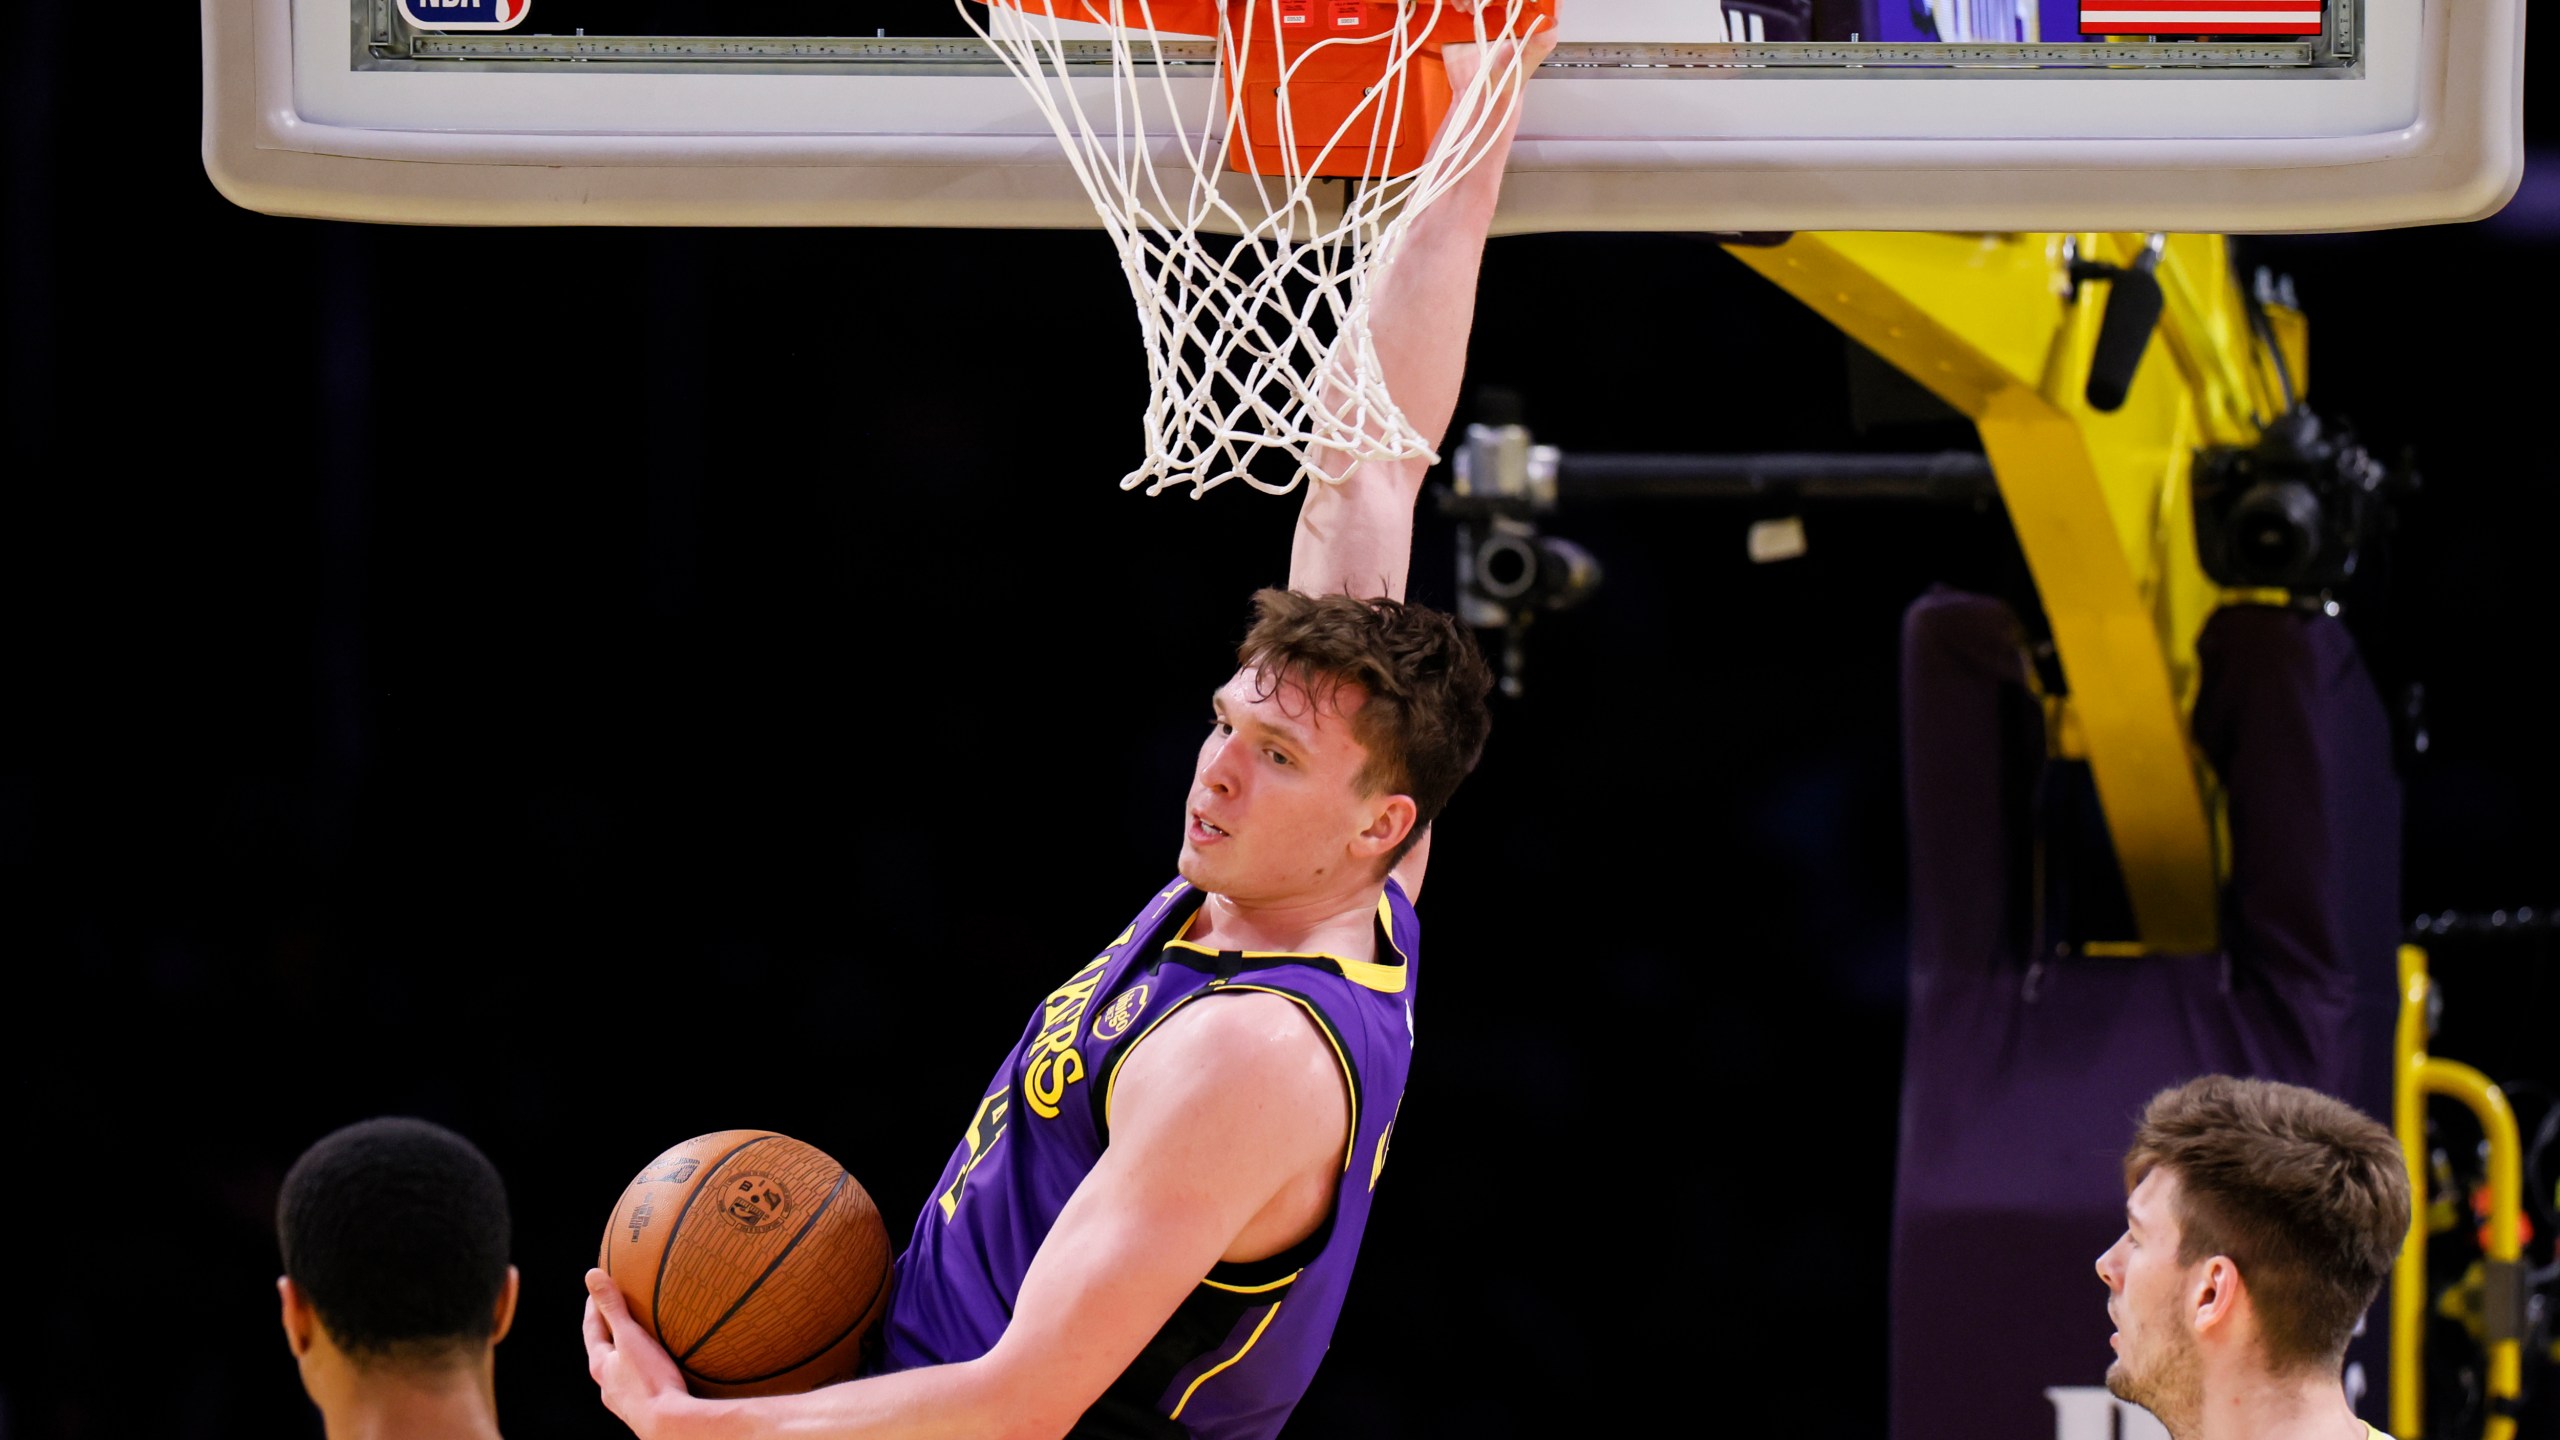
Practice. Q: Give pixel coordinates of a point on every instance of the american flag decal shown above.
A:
(2200, 17)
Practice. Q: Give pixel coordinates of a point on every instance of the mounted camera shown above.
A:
(1512, 567)
(1508, 571)
(2295, 510)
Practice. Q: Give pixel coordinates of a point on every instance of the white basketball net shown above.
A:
(1258, 342)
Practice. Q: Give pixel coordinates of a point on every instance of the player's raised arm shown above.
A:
(1356, 537)
(1228, 1128)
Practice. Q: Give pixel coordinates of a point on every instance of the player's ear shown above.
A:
(297, 1316)
(2214, 1296)
(1389, 824)
(506, 1307)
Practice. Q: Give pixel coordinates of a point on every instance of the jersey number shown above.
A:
(985, 1129)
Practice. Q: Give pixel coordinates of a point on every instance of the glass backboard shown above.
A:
(2224, 115)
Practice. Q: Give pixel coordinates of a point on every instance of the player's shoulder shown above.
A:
(1241, 1029)
(1246, 1043)
(1241, 1061)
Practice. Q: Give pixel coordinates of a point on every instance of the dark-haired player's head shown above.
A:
(1345, 730)
(397, 1285)
(2261, 1221)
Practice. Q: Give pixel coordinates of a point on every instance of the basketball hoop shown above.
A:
(1252, 275)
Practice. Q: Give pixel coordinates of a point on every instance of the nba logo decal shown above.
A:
(464, 14)
(756, 1203)
(1120, 1014)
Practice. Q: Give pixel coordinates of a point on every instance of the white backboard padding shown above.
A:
(2427, 129)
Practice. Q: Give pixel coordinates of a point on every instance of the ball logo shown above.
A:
(464, 14)
(676, 1174)
(756, 1203)
(1120, 1014)
(639, 1221)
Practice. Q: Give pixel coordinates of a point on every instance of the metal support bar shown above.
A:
(1953, 477)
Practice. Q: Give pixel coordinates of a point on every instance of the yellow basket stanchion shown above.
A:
(2416, 1076)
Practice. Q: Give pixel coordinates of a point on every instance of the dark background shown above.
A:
(709, 679)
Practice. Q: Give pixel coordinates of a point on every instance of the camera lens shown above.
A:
(1506, 566)
(1566, 573)
(2274, 533)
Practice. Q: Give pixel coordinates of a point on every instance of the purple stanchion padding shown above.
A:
(2024, 1072)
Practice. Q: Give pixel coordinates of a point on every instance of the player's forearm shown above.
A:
(1356, 538)
(969, 1401)
(1425, 304)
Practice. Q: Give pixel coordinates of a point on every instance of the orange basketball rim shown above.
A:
(1301, 74)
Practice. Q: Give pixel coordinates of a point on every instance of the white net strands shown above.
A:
(1254, 288)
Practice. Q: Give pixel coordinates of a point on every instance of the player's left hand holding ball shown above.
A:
(639, 1381)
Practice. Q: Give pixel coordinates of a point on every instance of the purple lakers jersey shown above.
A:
(1234, 1358)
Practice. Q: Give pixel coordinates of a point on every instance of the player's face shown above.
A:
(2157, 1365)
(1274, 812)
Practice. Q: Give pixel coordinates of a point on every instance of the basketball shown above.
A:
(755, 1259)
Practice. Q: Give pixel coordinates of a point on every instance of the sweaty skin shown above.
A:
(1229, 1123)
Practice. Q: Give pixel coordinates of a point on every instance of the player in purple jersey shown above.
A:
(1149, 1223)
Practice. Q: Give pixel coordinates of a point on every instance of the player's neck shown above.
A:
(1331, 923)
(459, 1403)
(2259, 1406)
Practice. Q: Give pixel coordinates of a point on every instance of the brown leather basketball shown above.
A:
(756, 1260)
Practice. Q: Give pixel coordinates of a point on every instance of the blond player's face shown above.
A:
(2156, 1359)
(1273, 810)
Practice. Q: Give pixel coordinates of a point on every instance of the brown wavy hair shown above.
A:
(2307, 1195)
(1423, 718)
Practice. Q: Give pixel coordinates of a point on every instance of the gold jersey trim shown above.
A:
(1289, 1279)
(1367, 974)
(1378, 1166)
(1111, 1082)
(1230, 1360)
